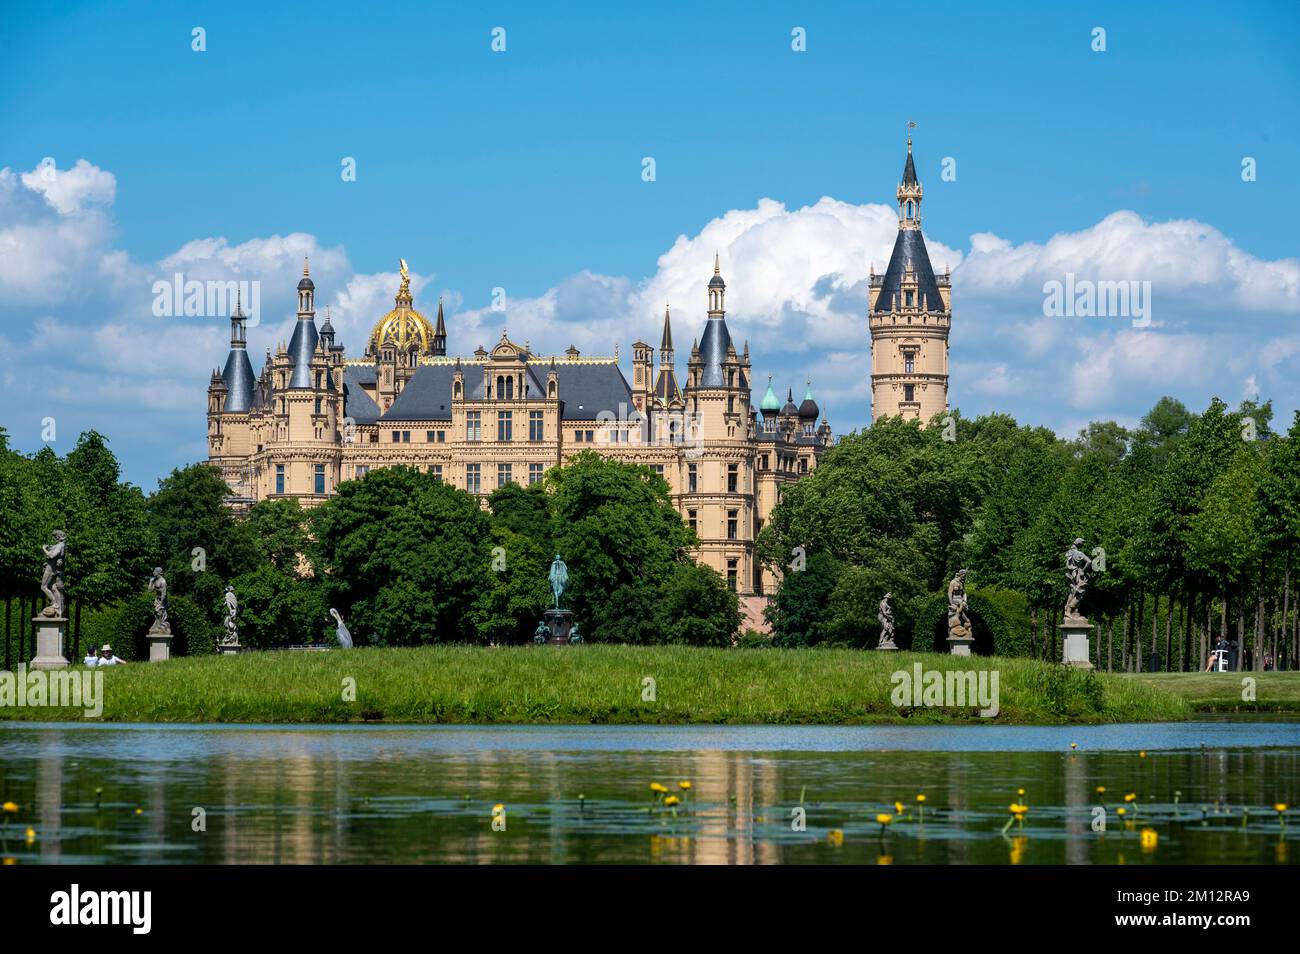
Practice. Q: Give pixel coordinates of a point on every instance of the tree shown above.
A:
(404, 554)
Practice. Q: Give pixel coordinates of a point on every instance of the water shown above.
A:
(372, 794)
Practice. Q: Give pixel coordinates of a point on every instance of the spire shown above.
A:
(770, 404)
(439, 333)
(238, 373)
(909, 191)
(666, 342)
(666, 387)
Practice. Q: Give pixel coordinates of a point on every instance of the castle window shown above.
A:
(361, 470)
(909, 392)
(732, 521)
(731, 574)
(455, 388)
(803, 465)
(535, 473)
(472, 478)
(733, 478)
(436, 470)
(910, 297)
(692, 478)
(505, 428)
(320, 479)
(279, 478)
(577, 437)
(658, 469)
(690, 520)
(510, 388)
(503, 474)
(762, 462)
(551, 388)
(909, 363)
(535, 427)
(473, 426)
(318, 405)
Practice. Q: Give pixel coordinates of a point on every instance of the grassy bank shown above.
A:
(597, 684)
(1222, 692)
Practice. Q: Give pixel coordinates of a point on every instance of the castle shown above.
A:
(315, 417)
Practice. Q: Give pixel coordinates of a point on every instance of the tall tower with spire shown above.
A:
(910, 315)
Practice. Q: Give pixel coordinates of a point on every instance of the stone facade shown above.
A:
(315, 417)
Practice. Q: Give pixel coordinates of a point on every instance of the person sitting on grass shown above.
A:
(91, 659)
(108, 659)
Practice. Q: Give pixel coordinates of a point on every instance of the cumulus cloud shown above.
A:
(78, 335)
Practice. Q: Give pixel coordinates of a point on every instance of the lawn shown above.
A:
(598, 684)
(1222, 691)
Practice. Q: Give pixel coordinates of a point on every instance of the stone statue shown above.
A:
(341, 631)
(231, 638)
(886, 617)
(958, 622)
(574, 637)
(1077, 565)
(52, 578)
(542, 633)
(158, 587)
(559, 578)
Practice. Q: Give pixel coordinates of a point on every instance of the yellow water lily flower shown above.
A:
(835, 837)
(498, 807)
(672, 800)
(1131, 797)
(920, 798)
(685, 786)
(885, 819)
(898, 807)
(1018, 809)
(1121, 811)
(1101, 789)
(1279, 807)
(11, 807)
(1074, 745)
(657, 788)
(1149, 838)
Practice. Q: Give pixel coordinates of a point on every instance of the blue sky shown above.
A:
(522, 170)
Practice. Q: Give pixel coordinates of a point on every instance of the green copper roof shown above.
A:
(770, 400)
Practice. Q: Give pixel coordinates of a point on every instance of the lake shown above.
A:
(1203, 793)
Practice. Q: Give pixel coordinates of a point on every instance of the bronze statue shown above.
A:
(52, 578)
(559, 578)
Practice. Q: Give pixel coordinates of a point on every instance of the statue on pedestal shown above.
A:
(542, 633)
(158, 587)
(559, 578)
(958, 622)
(231, 638)
(52, 578)
(886, 617)
(1077, 565)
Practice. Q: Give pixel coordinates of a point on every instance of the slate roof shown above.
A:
(301, 348)
(714, 344)
(238, 378)
(357, 404)
(909, 250)
(586, 389)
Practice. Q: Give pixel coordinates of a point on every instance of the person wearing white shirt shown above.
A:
(91, 659)
(108, 659)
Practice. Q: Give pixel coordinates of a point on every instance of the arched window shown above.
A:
(510, 388)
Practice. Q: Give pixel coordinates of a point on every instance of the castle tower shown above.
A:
(719, 486)
(909, 318)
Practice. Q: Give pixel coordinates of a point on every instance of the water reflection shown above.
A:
(579, 794)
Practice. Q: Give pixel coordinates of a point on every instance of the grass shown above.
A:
(597, 684)
(1222, 692)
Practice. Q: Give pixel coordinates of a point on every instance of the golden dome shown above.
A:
(403, 328)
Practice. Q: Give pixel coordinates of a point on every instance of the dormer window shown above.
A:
(910, 299)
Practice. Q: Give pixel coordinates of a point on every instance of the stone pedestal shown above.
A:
(50, 632)
(160, 644)
(886, 646)
(960, 645)
(229, 649)
(1075, 648)
(559, 622)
